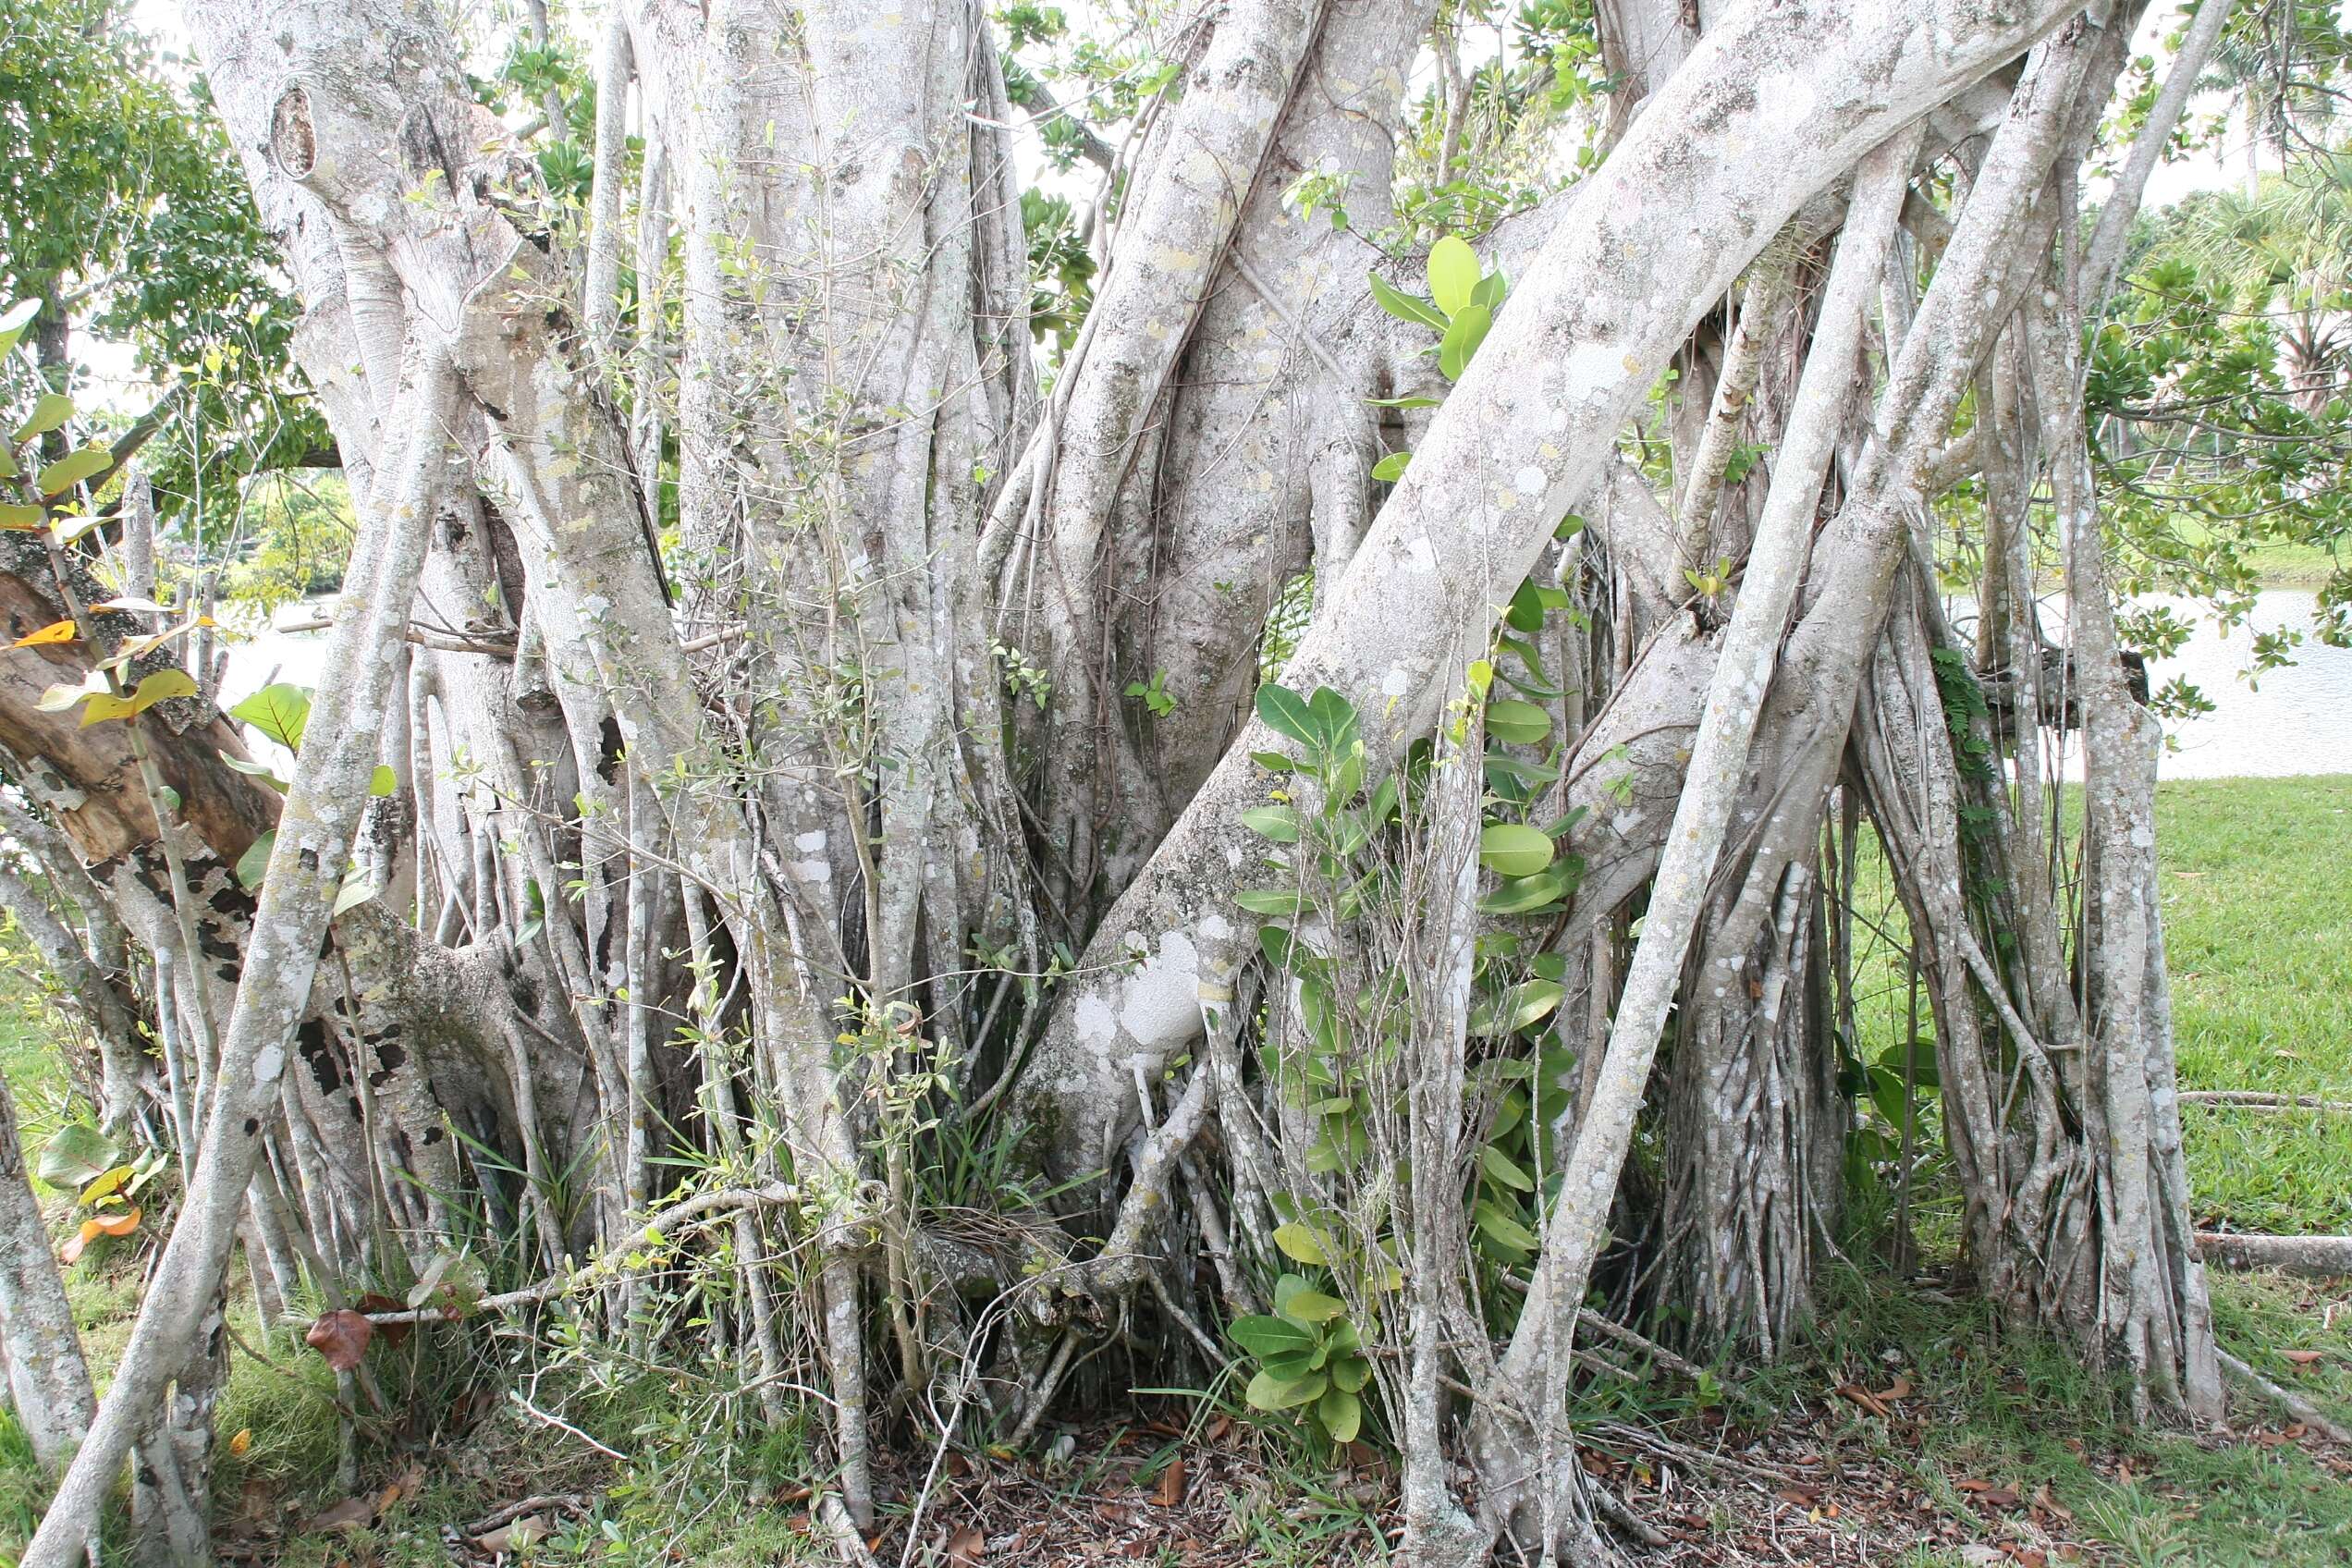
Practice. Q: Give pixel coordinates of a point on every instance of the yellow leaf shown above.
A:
(55, 631)
(106, 705)
(115, 1224)
(243, 1443)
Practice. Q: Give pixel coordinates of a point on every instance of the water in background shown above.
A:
(2297, 720)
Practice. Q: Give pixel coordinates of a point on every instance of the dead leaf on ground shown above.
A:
(351, 1513)
(968, 1547)
(1171, 1484)
(2302, 1357)
(514, 1537)
(1866, 1399)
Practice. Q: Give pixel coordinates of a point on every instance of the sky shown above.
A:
(113, 379)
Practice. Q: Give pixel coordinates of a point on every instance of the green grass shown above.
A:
(2256, 880)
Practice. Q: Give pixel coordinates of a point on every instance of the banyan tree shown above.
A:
(1296, 808)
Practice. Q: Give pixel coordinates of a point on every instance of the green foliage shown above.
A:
(124, 198)
(1309, 1357)
(1062, 273)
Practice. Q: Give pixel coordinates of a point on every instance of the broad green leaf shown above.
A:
(1513, 849)
(1276, 902)
(1351, 1372)
(254, 863)
(107, 1183)
(1296, 1241)
(1520, 1006)
(1269, 1392)
(7, 462)
(1278, 823)
(1504, 1231)
(1313, 1306)
(256, 770)
(357, 889)
(14, 321)
(1500, 1166)
(75, 1155)
(1407, 307)
(1390, 469)
(17, 517)
(1454, 273)
(1517, 723)
(1265, 1337)
(1273, 762)
(73, 468)
(57, 699)
(383, 781)
(282, 712)
(1524, 895)
(49, 411)
(1490, 291)
(1461, 340)
(1342, 1415)
(1285, 713)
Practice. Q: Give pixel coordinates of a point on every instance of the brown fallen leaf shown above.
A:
(1171, 1490)
(351, 1513)
(2302, 1357)
(522, 1531)
(391, 1333)
(1899, 1389)
(968, 1547)
(1219, 1429)
(341, 1338)
(1866, 1399)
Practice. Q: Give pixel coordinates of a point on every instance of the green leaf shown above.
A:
(253, 864)
(1516, 723)
(1341, 1413)
(17, 517)
(1297, 1242)
(255, 770)
(1407, 307)
(1520, 1006)
(73, 468)
(1269, 1391)
(1524, 895)
(383, 781)
(106, 1184)
(1268, 1338)
(1505, 1231)
(1499, 1166)
(12, 323)
(357, 889)
(49, 411)
(1390, 469)
(1403, 402)
(1513, 849)
(1453, 273)
(1285, 713)
(1276, 902)
(1490, 291)
(1461, 341)
(75, 1155)
(1313, 1306)
(282, 712)
(1278, 823)
(1273, 762)
(1351, 1372)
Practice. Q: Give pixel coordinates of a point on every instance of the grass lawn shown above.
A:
(1991, 1446)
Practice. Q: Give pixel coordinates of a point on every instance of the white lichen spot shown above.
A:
(1396, 683)
(1530, 481)
(810, 843)
(1095, 1026)
(1420, 555)
(1162, 1008)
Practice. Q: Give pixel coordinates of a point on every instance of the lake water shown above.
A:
(2297, 720)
